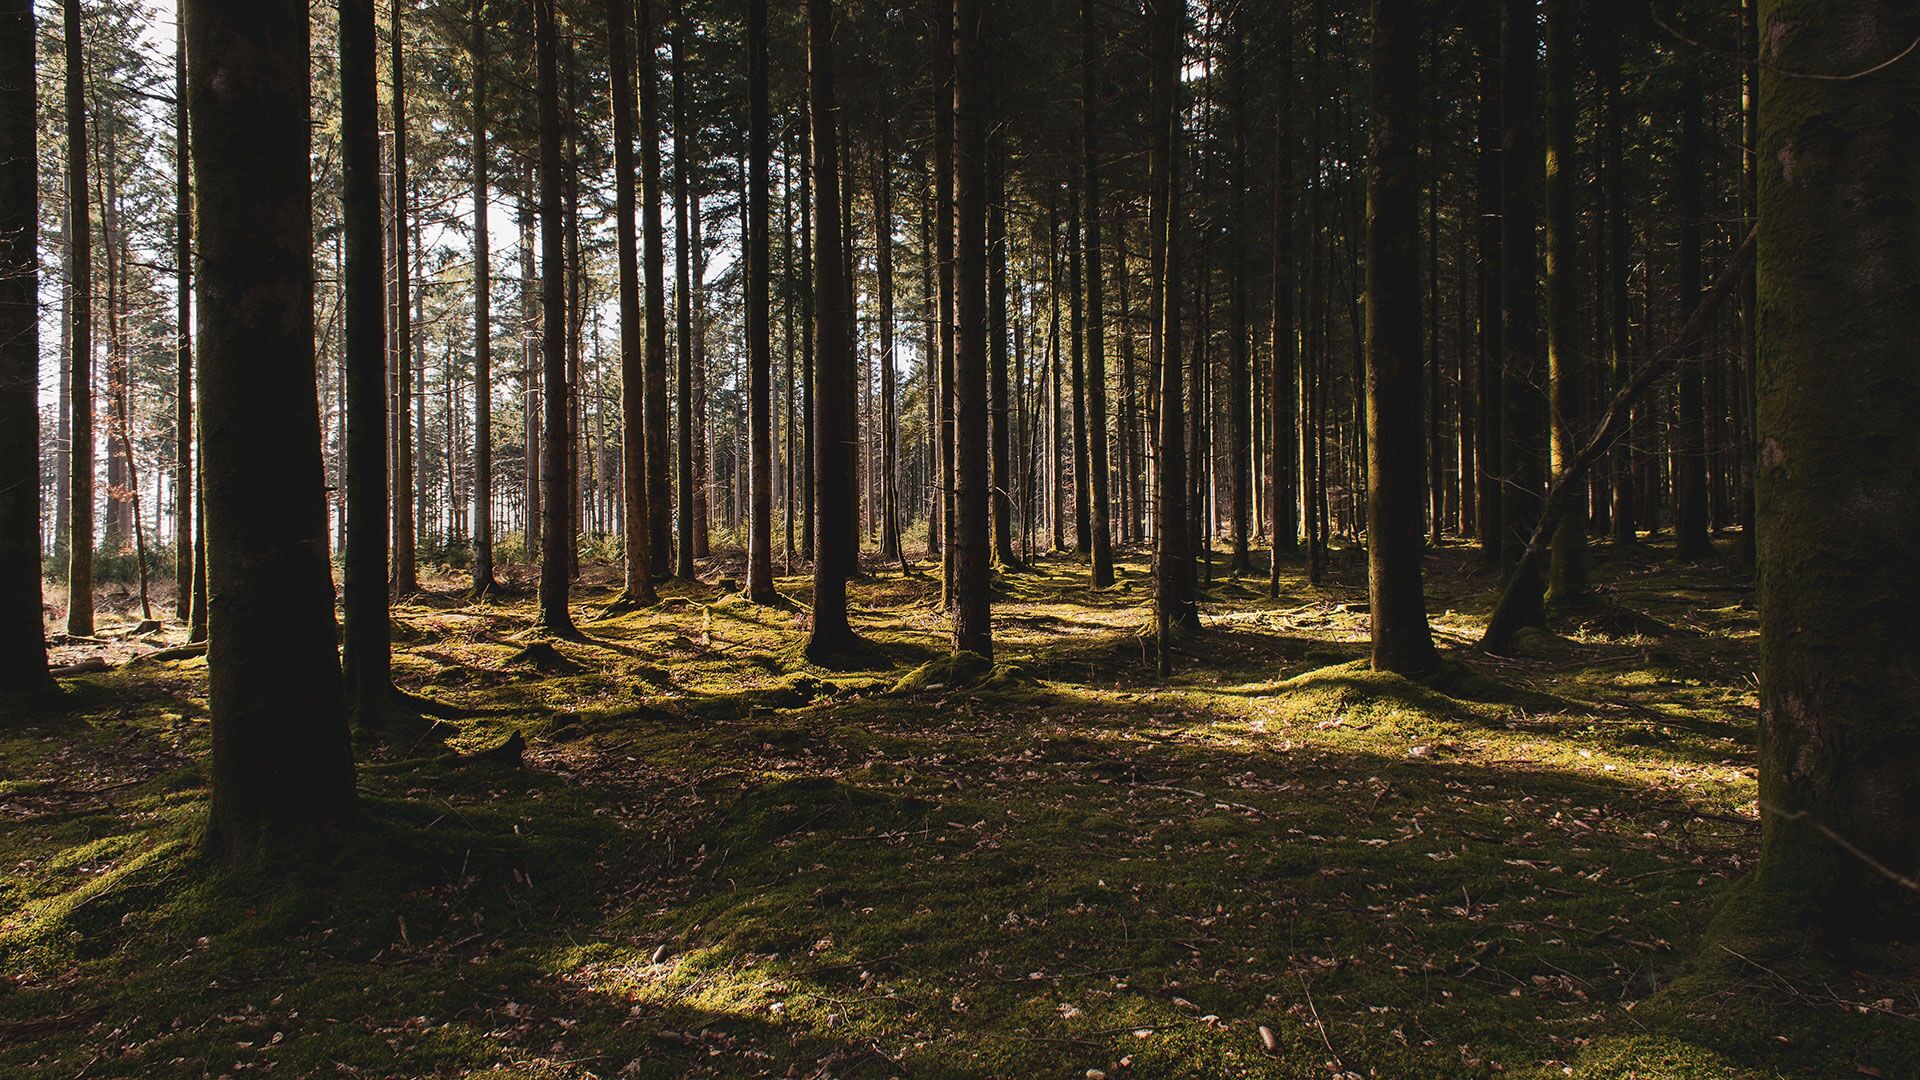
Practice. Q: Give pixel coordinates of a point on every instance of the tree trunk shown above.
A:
(943, 226)
(883, 264)
(1485, 30)
(659, 501)
(367, 648)
(557, 541)
(682, 308)
(1395, 490)
(23, 643)
(183, 435)
(1690, 451)
(1099, 522)
(405, 577)
(79, 336)
(637, 580)
(759, 336)
(1607, 64)
(834, 493)
(483, 579)
(1522, 428)
(1174, 606)
(282, 771)
(972, 561)
(1239, 269)
(1566, 369)
(999, 407)
(1838, 505)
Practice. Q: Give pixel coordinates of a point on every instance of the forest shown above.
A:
(960, 538)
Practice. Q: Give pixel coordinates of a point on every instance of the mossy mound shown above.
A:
(945, 673)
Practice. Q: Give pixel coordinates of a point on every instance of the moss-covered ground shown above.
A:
(717, 861)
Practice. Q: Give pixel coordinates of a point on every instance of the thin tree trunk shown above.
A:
(659, 499)
(889, 418)
(1102, 533)
(557, 540)
(1522, 428)
(637, 578)
(999, 407)
(1690, 451)
(183, 434)
(1566, 369)
(405, 577)
(759, 339)
(79, 335)
(1174, 606)
(683, 307)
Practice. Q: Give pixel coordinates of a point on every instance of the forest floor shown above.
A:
(715, 860)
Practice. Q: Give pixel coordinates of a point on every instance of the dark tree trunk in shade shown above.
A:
(1523, 436)
(1239, 270)
(637, 578)
(23, 645)
(998, 404)
(403, 570)
(79, 335)
(282, 770)
(183, 475)
(759, 336)
(1690, 436)
(1838, 500)
(1484, 28)
(367, 652)
(1606, 34)
(1566, 368)
(889, 509)
(1284, 439)
(483, 579)
(557, 536)
(834, 493)
(973, 556)
(682, 309)
(1077, 386)
(659, 498)
(1100, 518)
(1402, 642)
(942, 67)
(1174, 606)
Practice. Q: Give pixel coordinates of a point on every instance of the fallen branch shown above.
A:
(1523, 589)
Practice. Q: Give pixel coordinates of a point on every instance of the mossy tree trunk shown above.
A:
(367, 651)
(282, 772)
(23, 646)
(973, 555)
(1396, 491)
(1838, 499)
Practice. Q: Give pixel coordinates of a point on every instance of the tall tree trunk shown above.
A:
(79, 336)
(183, 435)
(759, 336)
(282, 771)
(1690, 451)
(1174, 606)
(1566, 369)
(23, 644)
(405, 577)
(943, 232)
(883, 265)
(1484, 26)
(1102, 533)
(659, 500)
(1401, 641)
(1838, 505)
(972, 560)
(998, 406)
(930, 368)
(1077, 386)
(682, 306)
(557, 540)
(1522, 428)
(1749, 294)
(637, 579)
(1239, 361)
(483, 579)
(834, 493)
(1617, 313)
(367, 648)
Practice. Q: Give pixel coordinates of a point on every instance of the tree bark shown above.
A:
(1402, 642)
(998, 404)
(23, 643)
(405, 576)
(659, 498)
(759, 336)
(972, 560)
(557, 541)
(834, 493)
(183, 486)
(682, 307)
(1566, 369)
(282, 770)
(1690, 436)
(483, 577)
(1101, 510)
(1838, 503)
(637, 580)
(367, 647)
(1174, 606)
(1522, 429)
(79, 336)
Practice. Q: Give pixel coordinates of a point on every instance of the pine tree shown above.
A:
(23, 647)
(972, 560)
